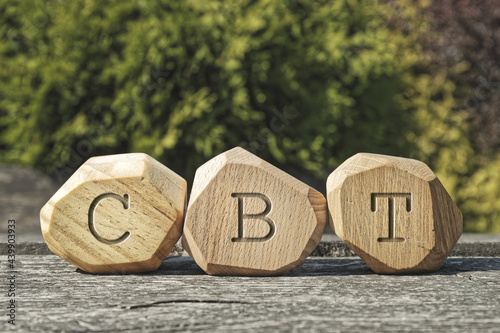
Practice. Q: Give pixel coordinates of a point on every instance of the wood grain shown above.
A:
(247, 217)
(481, 245)
(321, 295)
(393, 212)
(120, 213)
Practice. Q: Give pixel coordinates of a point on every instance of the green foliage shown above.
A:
(447, 135)
(303, 84)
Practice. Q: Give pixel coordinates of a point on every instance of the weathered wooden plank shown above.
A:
(322, 294)
(324, 249)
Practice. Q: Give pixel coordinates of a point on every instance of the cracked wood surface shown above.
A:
(322, 294)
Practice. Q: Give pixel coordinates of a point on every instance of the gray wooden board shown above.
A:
(324, 249)
(322, 294)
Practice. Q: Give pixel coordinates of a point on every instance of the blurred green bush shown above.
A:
(303, 84)
(449, 136)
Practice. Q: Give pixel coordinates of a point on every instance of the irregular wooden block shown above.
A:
(118, 213)
(393, 212)
(247, 217)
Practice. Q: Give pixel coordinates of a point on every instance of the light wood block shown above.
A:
(393, 212)
(247, 217)
(116, 214)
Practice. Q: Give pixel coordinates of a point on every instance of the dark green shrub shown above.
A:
(463, 40)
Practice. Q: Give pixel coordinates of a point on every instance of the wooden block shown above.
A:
(393, 212)
(247, 217)
(116, 214)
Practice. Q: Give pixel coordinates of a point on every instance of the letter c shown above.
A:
(125, 200)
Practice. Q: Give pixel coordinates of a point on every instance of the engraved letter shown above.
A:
(392, 213)
(262, 216)
(125, 200)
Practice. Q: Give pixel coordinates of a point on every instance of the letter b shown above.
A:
(247, 217)
(262, 216)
